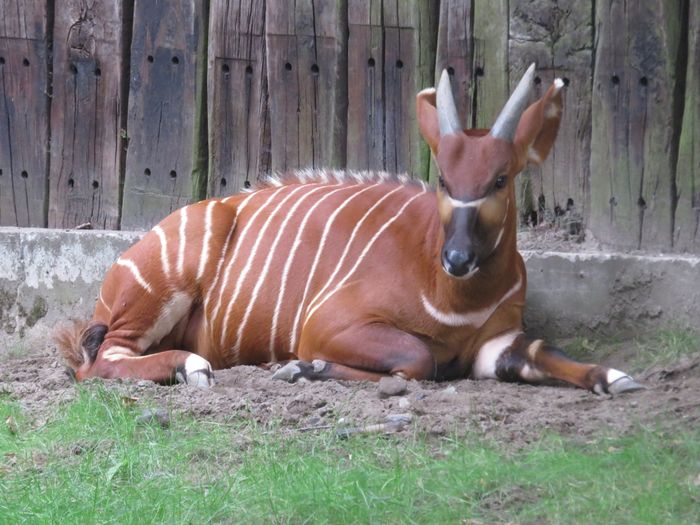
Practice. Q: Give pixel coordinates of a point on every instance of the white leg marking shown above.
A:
(530, 373)
(170, 314)
(533, 348)
(204, 257)
(357, 227)
(476, 318)
(197, 372)
(236, 250)
(319, 251)
(131, 265)
(115, 353)
(164, 257)
(485, 364)
(614, 375)
(249, 263)
(290, 259)
(360, 258)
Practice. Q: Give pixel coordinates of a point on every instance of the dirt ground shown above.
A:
(516, 414)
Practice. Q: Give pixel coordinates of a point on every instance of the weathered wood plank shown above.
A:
(558, 37)
(490, 67)
(455, 53)
(239, 134)
(306, 68)
(86, 113)
(162, 102)
(632, 123)
(387, 65)
(687, 216)
(24, 107)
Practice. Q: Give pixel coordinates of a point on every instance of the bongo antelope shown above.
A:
(345, 275)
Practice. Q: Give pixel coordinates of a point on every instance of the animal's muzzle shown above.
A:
(458, 263)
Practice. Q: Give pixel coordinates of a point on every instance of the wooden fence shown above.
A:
(116, 112)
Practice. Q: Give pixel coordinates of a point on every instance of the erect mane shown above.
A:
(316, 175)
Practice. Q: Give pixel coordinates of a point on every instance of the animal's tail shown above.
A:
(79, 341)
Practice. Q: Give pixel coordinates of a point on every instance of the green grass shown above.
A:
(95, 463)
(660, 348)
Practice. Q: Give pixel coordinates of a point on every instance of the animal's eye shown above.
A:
(441, 182)
(501, 182)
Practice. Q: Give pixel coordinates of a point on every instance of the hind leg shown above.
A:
(513, 356)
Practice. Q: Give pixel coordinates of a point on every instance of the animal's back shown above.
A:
(293, 247)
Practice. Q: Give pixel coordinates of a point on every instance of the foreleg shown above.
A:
(513, 356)
(367, 352)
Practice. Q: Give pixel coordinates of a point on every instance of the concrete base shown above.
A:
(48, 276)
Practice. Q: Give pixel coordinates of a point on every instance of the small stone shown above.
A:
(450, 390)
(392, 386)
(404, 403)
(157, 415)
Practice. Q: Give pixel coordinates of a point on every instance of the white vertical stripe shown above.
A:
(131, 265)
(102, 300)
(317, 257)
(207, 238)
(266, 268)
(249, 263)
(239, 243)
(164, 257)
(362, 255)
(220, 263)
(288, 264)
(183, 240)
(347, 245)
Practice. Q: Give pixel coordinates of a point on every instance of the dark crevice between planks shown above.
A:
(200, 155)
(678, 110)
(127, 34)
(50, 17)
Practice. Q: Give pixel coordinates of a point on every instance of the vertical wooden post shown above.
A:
(162, 103)
(239, 135)
(558, 37)
(306, 69)
(633, 129)
(687, 216)
(455, 53)
(86, 113)
(24, 110)
(491, 87)
(390, 58)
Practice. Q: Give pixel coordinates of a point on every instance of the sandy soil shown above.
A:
(516, 414)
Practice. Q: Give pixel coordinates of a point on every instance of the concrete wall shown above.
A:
(48, 276)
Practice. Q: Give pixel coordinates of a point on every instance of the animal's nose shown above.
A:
(457, 262)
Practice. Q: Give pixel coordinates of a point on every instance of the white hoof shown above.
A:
(197, 372)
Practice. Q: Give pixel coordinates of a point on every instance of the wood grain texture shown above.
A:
(455, 53)
(633, 131)
(24, 112)
(687, 216)
(491, 88)
(239, 127)
(86, 112)
(162, 102)
(558, 36)
(306, 69)
(390, 58)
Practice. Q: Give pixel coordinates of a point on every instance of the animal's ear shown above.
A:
(426, 113)
(539, 125)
